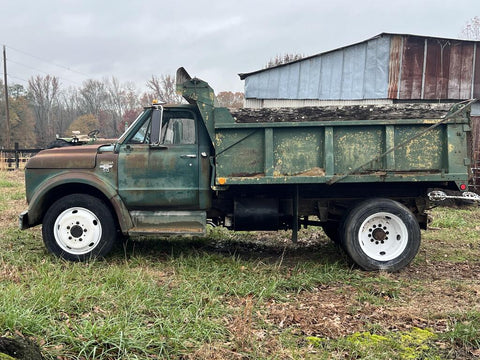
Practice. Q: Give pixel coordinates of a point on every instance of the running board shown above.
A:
(168, 223)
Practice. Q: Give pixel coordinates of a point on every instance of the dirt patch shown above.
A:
(442, 271)
(428, 295)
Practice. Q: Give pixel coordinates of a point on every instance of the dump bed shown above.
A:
(394, 143)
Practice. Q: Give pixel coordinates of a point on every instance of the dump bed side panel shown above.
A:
(355, 151)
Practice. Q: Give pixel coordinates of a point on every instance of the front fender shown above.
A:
(74, 182)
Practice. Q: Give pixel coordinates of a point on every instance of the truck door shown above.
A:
(161, 171)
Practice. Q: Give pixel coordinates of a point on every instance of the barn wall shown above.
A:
(432, 69)
(356, 72)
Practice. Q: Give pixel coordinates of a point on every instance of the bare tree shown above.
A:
(22, 122)
(121, 97)
(43, 92)
(93, 96)
(164, 89)
(471, 30)
(22, 119)
(68, 109)
(283, 59)
(231, 99)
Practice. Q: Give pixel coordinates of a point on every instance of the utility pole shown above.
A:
(7, 111)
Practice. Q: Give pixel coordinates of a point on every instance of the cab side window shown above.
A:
(178, 128)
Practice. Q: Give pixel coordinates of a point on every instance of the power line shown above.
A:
(49, 62)
(16, 77)
(27, 66)
(33, 68)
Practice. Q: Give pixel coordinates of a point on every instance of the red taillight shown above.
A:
(463, 187)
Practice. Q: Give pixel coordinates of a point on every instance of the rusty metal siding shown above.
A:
(396, 53)
(412, 68)
(437, 70)
(461, 71)
(467, 70)
(432, 68)
(454, 73)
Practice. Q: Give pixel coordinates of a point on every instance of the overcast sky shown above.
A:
(214, 40)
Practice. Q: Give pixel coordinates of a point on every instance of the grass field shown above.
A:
(241, 296)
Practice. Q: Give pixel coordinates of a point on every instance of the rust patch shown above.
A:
(72, 157)
(394, 67)
(247, 175)
(315, 171)
(170, 228)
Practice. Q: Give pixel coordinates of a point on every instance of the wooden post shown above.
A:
(17, 156)
(7, 112)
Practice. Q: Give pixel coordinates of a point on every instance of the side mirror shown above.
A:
(157, 117)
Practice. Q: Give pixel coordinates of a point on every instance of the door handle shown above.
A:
(188, 156)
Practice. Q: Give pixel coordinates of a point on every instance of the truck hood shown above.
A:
(71, 157)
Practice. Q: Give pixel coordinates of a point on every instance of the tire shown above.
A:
(381, 234)
(79, 227)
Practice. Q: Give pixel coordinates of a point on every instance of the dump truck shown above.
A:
(362, 173)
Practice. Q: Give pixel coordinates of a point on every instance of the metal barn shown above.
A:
(385, 69)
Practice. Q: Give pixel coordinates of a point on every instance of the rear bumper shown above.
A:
(23, 220)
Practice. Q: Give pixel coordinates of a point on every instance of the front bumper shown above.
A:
(23, 220)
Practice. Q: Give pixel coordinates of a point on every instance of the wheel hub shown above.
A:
(379, 234)
(383, 236)
(77, 230)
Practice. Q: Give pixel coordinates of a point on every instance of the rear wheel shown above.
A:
(381, 234)
(79, 227)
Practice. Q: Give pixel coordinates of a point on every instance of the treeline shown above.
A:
(44, 108)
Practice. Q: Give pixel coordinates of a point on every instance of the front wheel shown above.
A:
(78, 227)
(381, 234)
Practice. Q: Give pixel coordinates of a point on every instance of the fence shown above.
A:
(11, 159)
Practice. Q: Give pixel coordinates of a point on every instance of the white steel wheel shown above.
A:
(381, 234)
(79, 227)
(77, 230)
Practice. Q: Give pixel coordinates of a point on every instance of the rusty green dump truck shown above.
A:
(361, 173)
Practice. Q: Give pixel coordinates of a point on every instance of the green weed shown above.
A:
(465, 330)
(413, 344)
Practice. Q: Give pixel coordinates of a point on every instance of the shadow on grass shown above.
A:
(267, 247)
